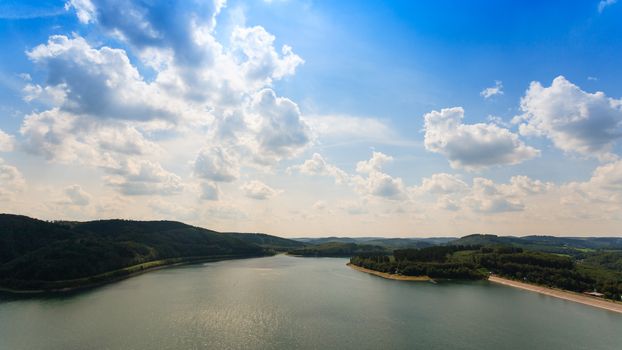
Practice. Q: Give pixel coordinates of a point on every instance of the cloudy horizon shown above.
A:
(309, 118)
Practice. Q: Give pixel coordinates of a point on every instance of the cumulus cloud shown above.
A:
(76, 196)
(65, 138)
(318, 166)
(487, 197)
(7, 142)
(574, 120)
(281, 132)
(604, 186)
(11, 181)
(216, 164)
(144, 177)
(482, 195)
(376, 183)
(383, 185)
(489, 92)
(101, 108)
(443, 183)
(375, 163)
(96, 82)
(472, 146)
(258, 59)
(258, 190)
(155, 24)
(210, 191)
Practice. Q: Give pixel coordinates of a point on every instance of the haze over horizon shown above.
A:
(307, 118)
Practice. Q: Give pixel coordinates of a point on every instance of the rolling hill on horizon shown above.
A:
(38, 254)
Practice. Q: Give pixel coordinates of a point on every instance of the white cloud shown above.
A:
(281, 133)
(443, 183)
(493, 90)
(383, 185)
(487, 197)
(375, 163)
(66, 138)
(341, 128)
(258, 59)
(97, 82)
(161, 25)
(318, 166)
(77, 196)
(144, 177)
(523, 185)
(376, 183)
(258, 190)
(210, 191)
(605, 186)
(7, 142)
(574, 120)
(472, 146)
(483, 195)
(11, 181)
(216, 164)
(605, 3)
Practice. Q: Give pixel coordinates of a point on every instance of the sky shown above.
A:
(316, 118)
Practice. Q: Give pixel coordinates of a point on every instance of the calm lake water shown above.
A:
(284, 302)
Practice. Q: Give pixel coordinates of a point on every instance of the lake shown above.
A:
(284, 302)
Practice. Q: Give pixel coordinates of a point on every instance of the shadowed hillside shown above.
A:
(35, 254)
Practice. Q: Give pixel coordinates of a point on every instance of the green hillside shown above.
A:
(338, 249)
(267, 241)
(37, 254)
(575, 246)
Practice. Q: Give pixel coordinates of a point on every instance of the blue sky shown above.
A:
(397, 119)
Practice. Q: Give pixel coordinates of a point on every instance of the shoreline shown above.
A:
(389, 276)
(612, 306)
(134, 270)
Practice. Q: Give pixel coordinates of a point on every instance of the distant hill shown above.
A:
(37, 254)
(267, 241)
(394, 243)
(551, 244)
(338, 249)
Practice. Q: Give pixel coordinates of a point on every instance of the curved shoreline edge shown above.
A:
(122, 274)
(608, 305)
(389, 276)
(613, 306)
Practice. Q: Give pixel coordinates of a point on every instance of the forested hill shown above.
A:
(561, 245)
(38, 254)
(267, 241)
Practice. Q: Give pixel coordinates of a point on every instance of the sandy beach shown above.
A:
(566, 295)
(389, 275)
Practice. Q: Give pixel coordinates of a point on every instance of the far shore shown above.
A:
(121, 274)
(390, 276)
(561, 294)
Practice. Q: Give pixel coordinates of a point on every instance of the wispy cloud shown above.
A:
(18, 10)
(604, 4)
(493, 90)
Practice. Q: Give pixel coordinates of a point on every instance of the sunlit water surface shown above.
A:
(284, 302)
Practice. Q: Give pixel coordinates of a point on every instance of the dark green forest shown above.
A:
(36, 254)
(42, 255)
(338, 249)
(593, 271)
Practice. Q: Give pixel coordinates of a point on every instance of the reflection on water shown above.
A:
(284, 302)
